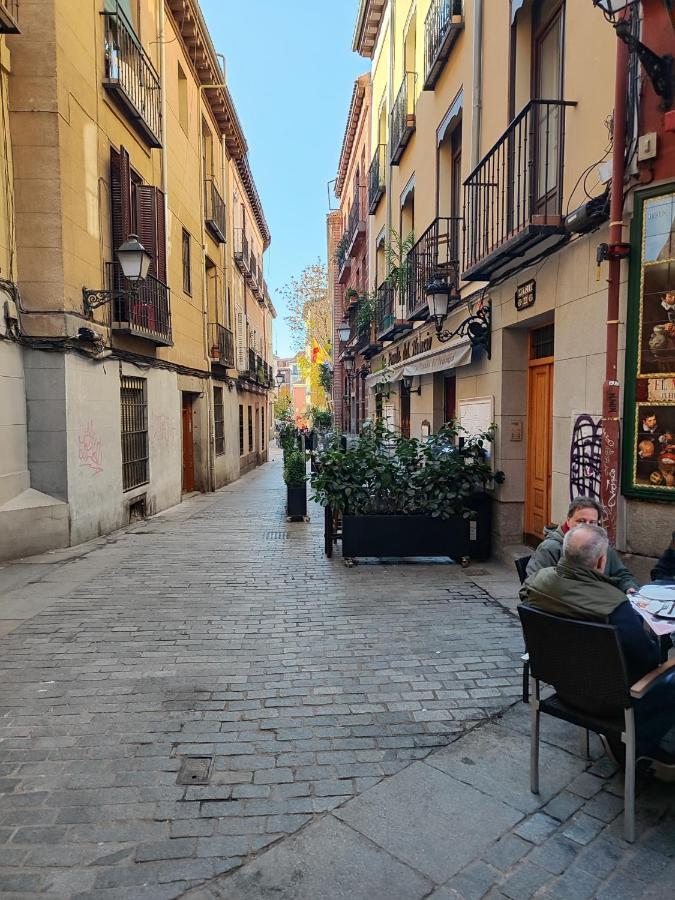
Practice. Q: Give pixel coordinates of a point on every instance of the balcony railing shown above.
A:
(130, 76)
(214, 211)
(402, 117)
(146, 312)
(253, 271)
(9, 17)
(513, 198)
(221, 345)
(441, 27)
(376, 175)
(241, 253)
(435, 253)
(355, 221)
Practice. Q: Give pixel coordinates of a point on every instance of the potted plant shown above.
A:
(295, 476)
(404, 497)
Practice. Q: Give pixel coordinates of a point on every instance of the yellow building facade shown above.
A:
(493, 140)
(121, 123)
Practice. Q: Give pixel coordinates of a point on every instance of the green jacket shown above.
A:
(566, 590)
(548, 553)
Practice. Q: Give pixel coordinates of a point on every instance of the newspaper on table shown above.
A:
(656, 605)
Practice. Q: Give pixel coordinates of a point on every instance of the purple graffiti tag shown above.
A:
(585, 457)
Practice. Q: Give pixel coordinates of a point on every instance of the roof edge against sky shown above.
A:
(368, 22)
(355, 107)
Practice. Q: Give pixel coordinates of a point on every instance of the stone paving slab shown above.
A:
(429, 820)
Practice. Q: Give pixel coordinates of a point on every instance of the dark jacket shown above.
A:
(550, 550)
(664, 570)
(580, 593)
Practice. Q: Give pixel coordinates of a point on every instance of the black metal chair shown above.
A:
(583, 661)
(521, 569)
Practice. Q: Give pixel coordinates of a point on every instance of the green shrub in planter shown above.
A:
(385, 473)
(295, 468)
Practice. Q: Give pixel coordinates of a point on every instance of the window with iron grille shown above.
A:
(250, 429)
(187, 270)
(219, 420)
(134, 405)
(241, 430)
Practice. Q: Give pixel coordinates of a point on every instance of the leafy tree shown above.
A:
(309, 316)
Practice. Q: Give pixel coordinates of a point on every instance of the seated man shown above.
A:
(582, 511)
(576, 587)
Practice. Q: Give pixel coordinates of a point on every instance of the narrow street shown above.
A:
(218, 629)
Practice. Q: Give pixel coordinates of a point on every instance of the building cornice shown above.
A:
(351, 129)
(368, 22)
(202, 54)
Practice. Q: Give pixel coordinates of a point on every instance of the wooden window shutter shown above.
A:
(120, 193)
(242, 360)
(151, 227)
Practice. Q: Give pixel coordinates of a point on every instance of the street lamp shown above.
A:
(348, 363)
(134, 262)
(611, 7)
(408, 385)
(476, 326)
(344, 330)
(280, 379)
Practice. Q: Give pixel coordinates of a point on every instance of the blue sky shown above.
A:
(291, 71)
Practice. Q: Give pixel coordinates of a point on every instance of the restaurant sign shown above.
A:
(526, 294)
(409, 349)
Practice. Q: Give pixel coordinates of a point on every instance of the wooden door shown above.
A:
(405, 412)
(188, 446)
(539, 436)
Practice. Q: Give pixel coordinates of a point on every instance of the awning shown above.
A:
(436, 360)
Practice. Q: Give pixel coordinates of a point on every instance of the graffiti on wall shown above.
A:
(90, 450)
(585, 457)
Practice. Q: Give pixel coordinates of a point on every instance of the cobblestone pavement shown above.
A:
(219, 629)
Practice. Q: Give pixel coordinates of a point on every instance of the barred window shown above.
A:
(219, 420)
(241, 430)
(187, 268)
(134, 406)
(250, 429)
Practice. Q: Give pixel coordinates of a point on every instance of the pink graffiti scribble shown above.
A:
(91, 449)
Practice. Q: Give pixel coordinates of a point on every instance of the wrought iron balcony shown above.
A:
(221, 345)
(9, 17)
(442, 25)
(344, 262)
(356, 226)
(252, 364)
(145, 313)
(402, 117)
(214, 211)
(130, 77)
(376, 176)
(513, 198)
(253, 271)
(436, 252)
(389, 321)
(241, 252)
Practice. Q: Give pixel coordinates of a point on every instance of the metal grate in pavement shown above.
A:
(195, 770)
(276, 535)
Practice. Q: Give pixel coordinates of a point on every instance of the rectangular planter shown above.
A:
(401, 536)
(296, 502)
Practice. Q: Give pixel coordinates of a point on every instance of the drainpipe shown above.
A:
(477, 101)
(610, 462)
(390, 104)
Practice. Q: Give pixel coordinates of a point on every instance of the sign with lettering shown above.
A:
(409, 349)
(526, 294)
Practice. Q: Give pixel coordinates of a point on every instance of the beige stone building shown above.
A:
(495, 145)
(120, 122)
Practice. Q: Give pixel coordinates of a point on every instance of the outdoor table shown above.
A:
(662, 628)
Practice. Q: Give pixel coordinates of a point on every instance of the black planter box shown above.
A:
(400, 536)
(296, 502)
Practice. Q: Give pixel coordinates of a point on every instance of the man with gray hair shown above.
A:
(581, 511)
(578, 588)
